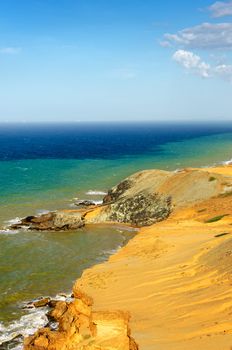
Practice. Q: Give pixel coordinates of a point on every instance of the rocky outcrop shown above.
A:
(81, 328)
(116, 192)
(142, 199)
(141, 210)
(60, 220)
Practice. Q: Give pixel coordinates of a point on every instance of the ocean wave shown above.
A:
(96, 193)
(21, 168)
(227, 162)
(25, 326)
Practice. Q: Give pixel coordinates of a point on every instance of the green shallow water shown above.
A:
(34, 264)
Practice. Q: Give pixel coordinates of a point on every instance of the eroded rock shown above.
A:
(80, 328)
(42, 302)
(55, 221)
(141, 210)
(117, 191)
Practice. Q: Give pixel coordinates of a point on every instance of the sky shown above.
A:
(115, 60)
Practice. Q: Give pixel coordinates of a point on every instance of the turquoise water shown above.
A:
(28, 186)
(33, 264)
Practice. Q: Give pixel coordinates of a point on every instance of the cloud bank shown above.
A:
(204, 36)
(214, 39)
(221, 9)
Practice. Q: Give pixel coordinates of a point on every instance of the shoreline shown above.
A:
(180, 218)
(163, 277)
(148, 256)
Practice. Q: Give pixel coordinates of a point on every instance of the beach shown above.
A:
(174, 278)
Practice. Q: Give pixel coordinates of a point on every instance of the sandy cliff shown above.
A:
(174, 276)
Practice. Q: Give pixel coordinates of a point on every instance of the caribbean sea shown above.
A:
(46, 166)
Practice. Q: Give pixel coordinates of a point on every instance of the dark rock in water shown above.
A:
(29, 305)
(143, 209)
(43, 218)
(28, 219)
(41, 303)
(116, 192)
(58, 221)
(52, 303)
(84, 203)
(11, 344)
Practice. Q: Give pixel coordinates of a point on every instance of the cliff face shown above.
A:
(81, 328)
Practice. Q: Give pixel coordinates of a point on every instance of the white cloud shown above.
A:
(203, 36)
(214, 38)
(221, 9)
(10, 50)
(192, 62)
(224, 71)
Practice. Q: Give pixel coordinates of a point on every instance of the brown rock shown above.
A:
(60, 308)
(78, 294)
(41, 303)
(52, 303)
(81, 329)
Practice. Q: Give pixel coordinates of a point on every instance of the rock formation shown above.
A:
(56, 221)
(142, 199)
(81, 328)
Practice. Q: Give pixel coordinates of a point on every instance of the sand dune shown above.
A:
(174, 278)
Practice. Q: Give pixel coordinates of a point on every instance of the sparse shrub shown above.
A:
(212, 178)
(215, 218)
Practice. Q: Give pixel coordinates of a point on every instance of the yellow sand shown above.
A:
(179, 294)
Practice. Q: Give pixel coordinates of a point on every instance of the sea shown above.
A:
(46, 167)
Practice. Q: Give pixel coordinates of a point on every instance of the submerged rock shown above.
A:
(12, 344)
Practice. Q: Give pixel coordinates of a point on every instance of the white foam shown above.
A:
(227, 162)
(14, 221)
(42, 211)
(8, 232)
(25, 326)
(178, 170)
(97, 202)
(72, 205)
(96, 193)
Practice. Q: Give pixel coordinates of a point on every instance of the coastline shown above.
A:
(162, 276)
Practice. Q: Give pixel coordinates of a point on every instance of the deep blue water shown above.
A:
(95, 141)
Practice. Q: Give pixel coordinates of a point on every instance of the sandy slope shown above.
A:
(174, 278)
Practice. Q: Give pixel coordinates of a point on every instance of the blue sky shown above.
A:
(89, 60)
